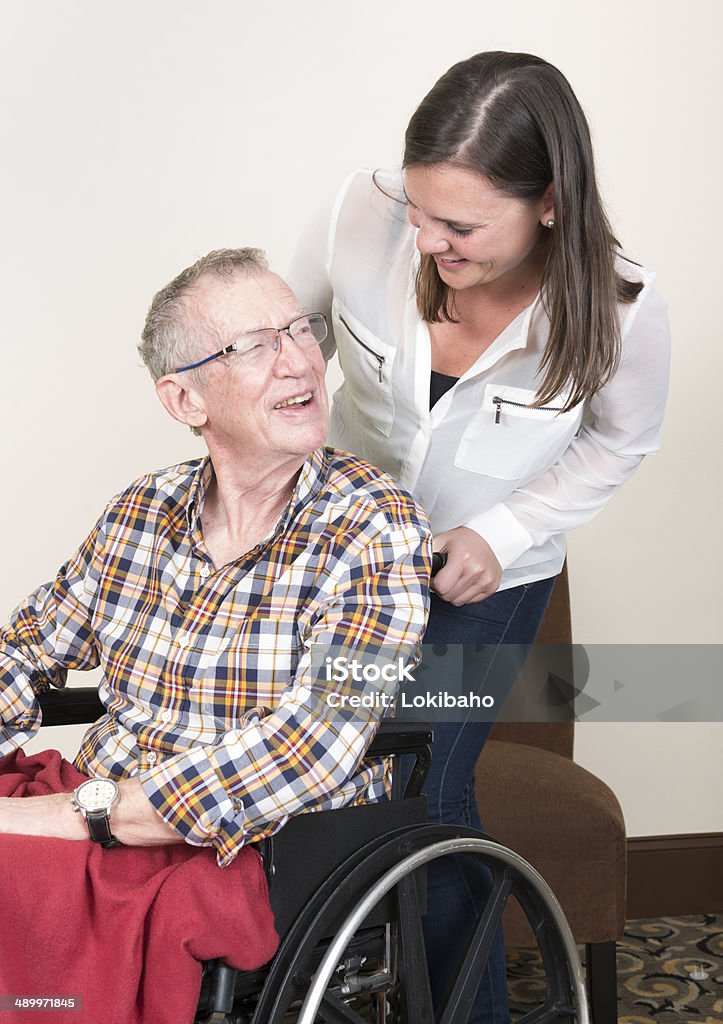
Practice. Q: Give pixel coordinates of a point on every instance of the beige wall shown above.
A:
(139, 135)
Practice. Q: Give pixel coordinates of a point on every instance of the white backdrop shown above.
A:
(137, 136)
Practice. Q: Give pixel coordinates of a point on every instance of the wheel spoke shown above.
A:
(416, 994)
(459, 1002)
(334, 1011)
(556, 968)
(548, 1013)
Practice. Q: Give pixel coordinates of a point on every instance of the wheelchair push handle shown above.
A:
(439, 560)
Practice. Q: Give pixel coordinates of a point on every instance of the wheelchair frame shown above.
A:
(357, 938)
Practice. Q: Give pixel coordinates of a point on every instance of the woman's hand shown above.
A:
(472, 572)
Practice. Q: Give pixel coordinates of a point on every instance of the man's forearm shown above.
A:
(133, 820)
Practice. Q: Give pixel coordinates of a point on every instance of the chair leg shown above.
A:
(602, 982)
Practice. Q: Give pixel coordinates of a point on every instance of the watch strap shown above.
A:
(99, 829)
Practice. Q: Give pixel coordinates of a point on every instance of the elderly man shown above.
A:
(213, 593)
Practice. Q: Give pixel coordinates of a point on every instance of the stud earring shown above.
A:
(550, 223)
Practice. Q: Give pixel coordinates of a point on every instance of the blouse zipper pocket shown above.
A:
(380, 359)
(499, 402)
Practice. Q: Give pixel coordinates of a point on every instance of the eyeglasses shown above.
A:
(307, 331)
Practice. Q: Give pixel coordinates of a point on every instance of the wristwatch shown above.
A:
(94, 800)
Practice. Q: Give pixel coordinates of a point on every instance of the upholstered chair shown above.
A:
(561, 818)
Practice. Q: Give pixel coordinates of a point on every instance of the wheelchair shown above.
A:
(348, 892)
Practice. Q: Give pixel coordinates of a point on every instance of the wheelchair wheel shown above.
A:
(345, 983)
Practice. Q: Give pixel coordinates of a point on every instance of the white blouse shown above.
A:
(481, 458)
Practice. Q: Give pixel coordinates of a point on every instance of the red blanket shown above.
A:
(123, 930)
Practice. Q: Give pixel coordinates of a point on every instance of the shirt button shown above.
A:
(167, 715)
(184, 640)
(151, 757)
(205, 571)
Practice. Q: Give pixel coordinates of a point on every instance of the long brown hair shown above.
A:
(513, 118)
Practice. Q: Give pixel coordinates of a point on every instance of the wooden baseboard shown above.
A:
(675, 875)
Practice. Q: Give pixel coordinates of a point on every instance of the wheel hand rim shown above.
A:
(320, 981)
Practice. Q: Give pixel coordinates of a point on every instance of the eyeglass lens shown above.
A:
(307, 331)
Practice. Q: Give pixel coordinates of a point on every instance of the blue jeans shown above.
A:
(457, 887)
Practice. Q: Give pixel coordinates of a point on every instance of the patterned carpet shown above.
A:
(670, 971)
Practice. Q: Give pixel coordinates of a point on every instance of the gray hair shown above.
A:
(169, 338)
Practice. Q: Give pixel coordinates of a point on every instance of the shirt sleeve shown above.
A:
(49, 633)
(305, 753)
(309, 272)
(620, 427)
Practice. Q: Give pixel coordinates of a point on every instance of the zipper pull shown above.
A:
(498, 409)
(380, 360)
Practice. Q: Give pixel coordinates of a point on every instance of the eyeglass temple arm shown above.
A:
(208, 359)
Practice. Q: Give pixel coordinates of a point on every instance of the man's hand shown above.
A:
(133, 820)
(472, 572)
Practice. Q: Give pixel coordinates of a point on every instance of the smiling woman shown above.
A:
(464, 223)
(500, 246)
(512, 388)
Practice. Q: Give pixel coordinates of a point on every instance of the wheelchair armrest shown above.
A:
(400, 736)
(74, 705)
(397, 736)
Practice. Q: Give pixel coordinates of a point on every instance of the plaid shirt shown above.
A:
(211, 677)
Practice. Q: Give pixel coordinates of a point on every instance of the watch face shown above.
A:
(96, 794)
